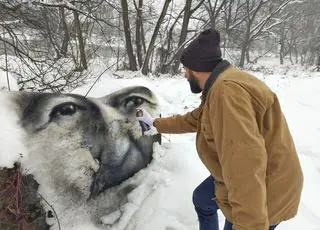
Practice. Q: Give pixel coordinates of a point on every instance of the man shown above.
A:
(242, 138)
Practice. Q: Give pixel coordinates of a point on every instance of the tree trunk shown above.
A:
(248, 54)
(244, 48)
(164, 51)
(151, 60)
(245, 43)
(168, 65)
(83, 60)
(312, 56)
(6, 62)
(281, 57)
(183, 34)
(281, 51)
(242, 56)
(145, 67)
(225, 43)
(50, 34)
(228, 15)
(118, 47)
(127, 34)
(138, 33)
(66, 36)
(290, 57)
(296, 55)
(143, 40)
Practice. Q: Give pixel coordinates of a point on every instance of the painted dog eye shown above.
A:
(65, 109)
(133, 102)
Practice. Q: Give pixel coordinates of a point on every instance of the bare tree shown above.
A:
(172, 63)
(65, 31)
(232, 17)
(47, 58)
(83, 59)
(298, 32)
(214, 10)
(127, 34)
(259, 21)
(52, 42)
(145, 67)
(139, 31)
(183, 33)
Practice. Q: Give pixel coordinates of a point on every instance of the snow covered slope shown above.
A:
(161, 199)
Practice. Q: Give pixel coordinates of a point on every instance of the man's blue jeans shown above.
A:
(206, 207)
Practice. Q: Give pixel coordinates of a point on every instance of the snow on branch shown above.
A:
(3, 23)
(260, 26)
(61, 3)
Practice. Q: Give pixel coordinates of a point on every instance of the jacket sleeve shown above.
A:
(186, 123)
(242, 154)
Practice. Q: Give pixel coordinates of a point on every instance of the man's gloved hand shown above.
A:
(144, 116)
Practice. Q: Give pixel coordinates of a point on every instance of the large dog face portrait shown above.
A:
(83, 146)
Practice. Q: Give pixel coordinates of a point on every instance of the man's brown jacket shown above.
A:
(244, 141)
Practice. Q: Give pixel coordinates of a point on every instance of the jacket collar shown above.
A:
(213, 76)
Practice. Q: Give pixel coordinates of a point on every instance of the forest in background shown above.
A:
(49, 45)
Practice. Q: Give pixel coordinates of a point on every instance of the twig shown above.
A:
(59, 226)
(12, 210)
(6, 60)
(109, 67)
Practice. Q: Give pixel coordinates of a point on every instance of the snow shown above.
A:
(4, 82)
(11, 133)
(162, 196)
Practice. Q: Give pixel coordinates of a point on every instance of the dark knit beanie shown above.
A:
(202, 53)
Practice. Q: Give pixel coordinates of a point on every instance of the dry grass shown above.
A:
(12, 212)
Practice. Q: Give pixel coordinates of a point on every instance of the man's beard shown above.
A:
(194, 85)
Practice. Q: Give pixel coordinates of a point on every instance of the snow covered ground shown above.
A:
(162, 200)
